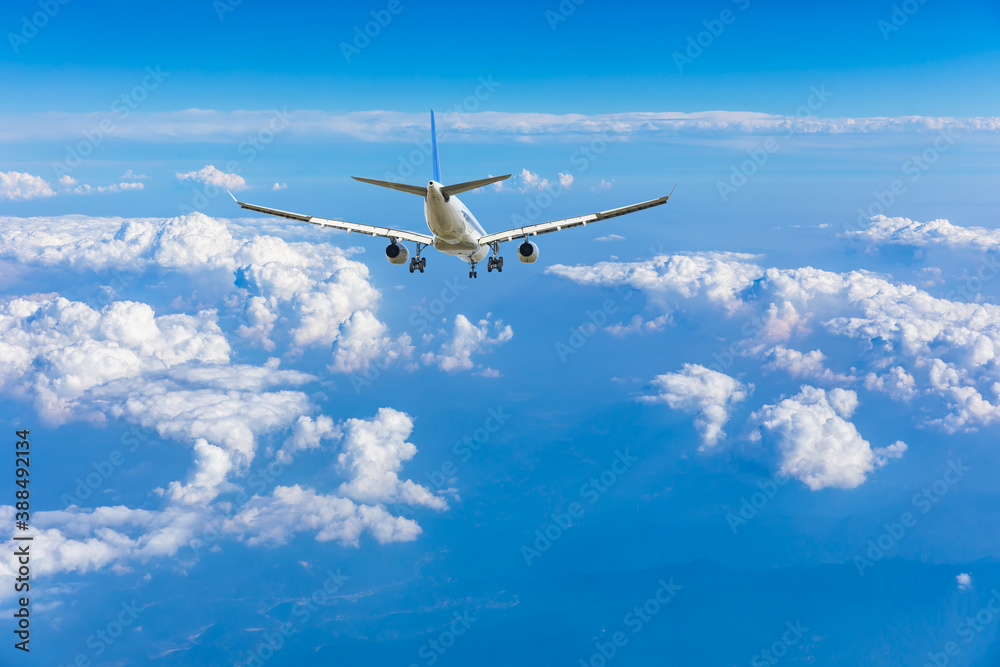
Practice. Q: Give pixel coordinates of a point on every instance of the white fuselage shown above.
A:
(456, 231)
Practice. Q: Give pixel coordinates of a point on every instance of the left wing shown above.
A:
(372, 230)
(566, 223)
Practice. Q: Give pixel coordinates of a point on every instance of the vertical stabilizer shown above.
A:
(434, 150)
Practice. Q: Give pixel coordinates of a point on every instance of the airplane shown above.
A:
(454, 230)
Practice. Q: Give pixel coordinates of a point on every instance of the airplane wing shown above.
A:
(566, 223)
(372, 230)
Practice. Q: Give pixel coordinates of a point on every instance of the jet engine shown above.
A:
(527, 252)
(396, 254)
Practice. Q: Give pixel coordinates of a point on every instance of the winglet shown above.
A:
(233, 196)
(671, 191)
(434, 149)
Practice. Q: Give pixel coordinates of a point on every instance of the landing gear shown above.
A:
(495, 262)
(472, 273)
(418, 263)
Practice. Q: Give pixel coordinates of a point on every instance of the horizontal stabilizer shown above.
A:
(418, 190)
(471, 185)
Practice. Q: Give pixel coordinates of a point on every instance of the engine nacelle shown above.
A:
(396, 253)
(527, 252)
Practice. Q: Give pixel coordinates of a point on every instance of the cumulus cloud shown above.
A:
(948, 348)
(896, 383)
(372, 454)
(528, 181)
(130, 175)
(280, 186)
(565, 180)
(307, 434)
(467, 339)
(273, 519)
(815, 443)
(174, 374)
(322, 296)
(365, 341)
(54, 350)
(610, 237)
(904, 231)
(603, 185)
(170, 373)
(102, 189)
(708, 394)
(802, 365)
(964, 581)
(19, 186)
(191, 242)
(209, 175)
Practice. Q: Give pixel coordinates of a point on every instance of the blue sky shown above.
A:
(753, 426)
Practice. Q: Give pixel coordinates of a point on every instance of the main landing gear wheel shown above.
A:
(423, 264)
(418, 264)
(494, 263)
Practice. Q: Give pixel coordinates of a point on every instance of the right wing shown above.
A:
(566, 223)
(372, 230)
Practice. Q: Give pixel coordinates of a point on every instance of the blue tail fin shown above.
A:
(434, 150)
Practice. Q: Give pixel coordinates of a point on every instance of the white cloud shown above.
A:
(191, 242)
(322, 296)
(893, 451)
(173, 373)
(290, 509)
(83, 540)
(280, 186)
(529, 181)
(467, 339)
(802, 365)
(372, 454)
(964, 581)
(949, 348)
(103, 189)
(708, 394)
(307, 125)
(130, 175)
(603, 186)
(19, 186)
(55, 350)
(896, 383)
(365, 341)
(308, 434)
(212, 466)
(209, 175)
(610, 237)
(814, 441)
(565, 180)
(903, 231)
(715, 277)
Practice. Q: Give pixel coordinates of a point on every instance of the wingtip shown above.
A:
(671, 191)
(233, 196)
